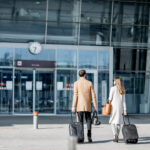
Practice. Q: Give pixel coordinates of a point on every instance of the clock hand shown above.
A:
(34, 49)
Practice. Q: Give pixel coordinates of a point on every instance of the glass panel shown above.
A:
(103, 60)
(94, 34)
(131, 13)
(23, 9)
(23, 91)
(6, 90)
(65, 81)
(65, 33)
(136, 59)
(44, 92)
(134, 85)
(21, 31)
(64, 11)
(130, 35)
(97, 11)
(103, 89)
(90, 77)
(66, 58)
(24, 54)
(87, 59)
(6, 57)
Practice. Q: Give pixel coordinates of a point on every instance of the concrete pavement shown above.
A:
(19, 136)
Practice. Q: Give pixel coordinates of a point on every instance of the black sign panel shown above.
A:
(34, 64)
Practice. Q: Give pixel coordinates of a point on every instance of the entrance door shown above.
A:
(44, 89)
(34, 91)
(23, 98)
(6, 91)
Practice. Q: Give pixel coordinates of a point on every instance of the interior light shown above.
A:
(37, 2)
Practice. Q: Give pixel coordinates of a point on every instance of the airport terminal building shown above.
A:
(44, 43)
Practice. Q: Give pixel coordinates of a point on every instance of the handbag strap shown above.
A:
(109, 101)
(95, 113)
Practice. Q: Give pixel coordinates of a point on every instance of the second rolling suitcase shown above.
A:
(129, 131)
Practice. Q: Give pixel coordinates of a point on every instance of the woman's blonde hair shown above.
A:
(119, 85)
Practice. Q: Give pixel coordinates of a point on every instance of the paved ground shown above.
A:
(20, 135)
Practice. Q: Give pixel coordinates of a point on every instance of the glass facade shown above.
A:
(44, 82)
(75, 34)
(6, 91)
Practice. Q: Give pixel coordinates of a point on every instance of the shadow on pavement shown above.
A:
(19, 120)
(97, 142)
(144, 140)
(10, 120)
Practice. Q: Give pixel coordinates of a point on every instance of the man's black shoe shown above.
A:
(80, 141)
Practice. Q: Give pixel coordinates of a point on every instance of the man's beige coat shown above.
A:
(83, 95)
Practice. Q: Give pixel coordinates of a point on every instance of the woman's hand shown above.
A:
(125, 113)
(73, 109)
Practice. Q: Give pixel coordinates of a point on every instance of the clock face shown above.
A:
(35, 48)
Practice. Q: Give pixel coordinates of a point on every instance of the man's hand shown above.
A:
(125, 113)
(95, 109)
(73, 109)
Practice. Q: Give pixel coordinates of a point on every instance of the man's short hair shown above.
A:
(82, 73)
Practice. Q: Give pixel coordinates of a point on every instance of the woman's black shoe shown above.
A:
(90, 139)
(116, 139)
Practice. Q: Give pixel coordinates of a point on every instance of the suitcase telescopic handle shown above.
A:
(124, 119)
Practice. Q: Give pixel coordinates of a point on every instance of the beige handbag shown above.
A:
(107, 108)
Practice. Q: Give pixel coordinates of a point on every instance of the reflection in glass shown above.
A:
(65, 81)
(130, 35)
(6, 90)
(44, 92)
(103, 60)
(128, 59)
(97, 11)
(131, 13)
(90, 77)
(103, 89)
(87, 59)
(24, 54)
(94, 34)
(66, 58)
(21, 31)
(64, 11)
(65, 33)
(134, 83)
(6, 57)
(22, 9)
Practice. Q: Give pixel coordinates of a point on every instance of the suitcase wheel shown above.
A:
(126, 141)
(131, 141)
(135, 141)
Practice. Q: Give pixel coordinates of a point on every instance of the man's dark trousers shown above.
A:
(87, 115)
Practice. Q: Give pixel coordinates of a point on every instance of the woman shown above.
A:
(117, 98)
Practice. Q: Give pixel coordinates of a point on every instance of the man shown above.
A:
(83, 92)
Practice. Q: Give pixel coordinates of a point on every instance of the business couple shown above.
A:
(84, 94)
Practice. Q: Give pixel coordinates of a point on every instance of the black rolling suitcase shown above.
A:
(129, 131)
(76, 129)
